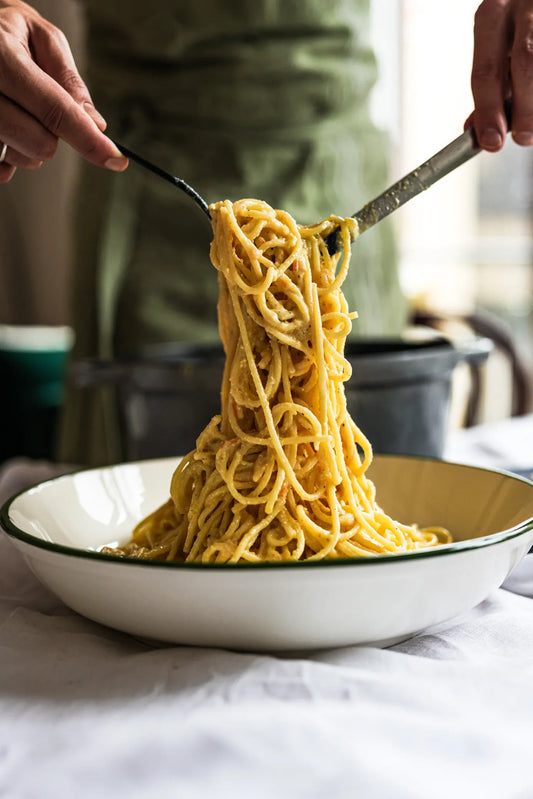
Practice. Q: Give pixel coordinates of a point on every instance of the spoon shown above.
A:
(442, 163)
(446, 160)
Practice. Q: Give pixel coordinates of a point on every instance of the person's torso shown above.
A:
(264, 65)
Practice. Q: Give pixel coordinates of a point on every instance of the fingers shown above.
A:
(42, 97)
(18, 160)
(15, 124)
(23, 133)
(490, 71)
(469, 121)
(503, 66)
(522, 74)
(6, 172)
(52, 53)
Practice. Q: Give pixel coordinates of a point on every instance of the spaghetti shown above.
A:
(280, 474)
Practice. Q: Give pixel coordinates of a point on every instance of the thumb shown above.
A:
(469, 121)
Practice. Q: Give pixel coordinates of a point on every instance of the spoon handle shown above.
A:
(446, 160)
(178, 182)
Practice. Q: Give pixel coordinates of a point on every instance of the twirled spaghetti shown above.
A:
(281, 473)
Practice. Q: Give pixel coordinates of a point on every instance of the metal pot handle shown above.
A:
(474, 350)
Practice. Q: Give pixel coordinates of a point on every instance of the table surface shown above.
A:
(89, 712)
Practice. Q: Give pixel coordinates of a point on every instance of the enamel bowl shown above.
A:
(60, 525)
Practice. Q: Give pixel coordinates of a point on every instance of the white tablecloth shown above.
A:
(88, 712)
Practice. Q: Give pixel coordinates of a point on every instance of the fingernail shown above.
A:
(523, 137)
(95, 115)
(491, 138)
(117, 164)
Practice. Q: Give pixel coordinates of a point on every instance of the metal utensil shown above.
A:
(446, 160)
(178, 182)
(442, 163)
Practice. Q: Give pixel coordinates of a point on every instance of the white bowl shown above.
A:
(60, 525)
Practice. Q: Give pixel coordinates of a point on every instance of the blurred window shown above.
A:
(467, 242)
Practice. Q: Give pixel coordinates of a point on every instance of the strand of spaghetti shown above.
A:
(280, 335)
(334, 526)
(248, 540)
(251, 249)
(265, 441)
(274, 440)
(233, 275)
(324, 404)
(252, 498)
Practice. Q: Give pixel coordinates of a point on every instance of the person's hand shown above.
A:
(503, 68)
(43, 98)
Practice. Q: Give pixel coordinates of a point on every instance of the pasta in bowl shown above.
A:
(280, 473)
(61, 526)
(281, 531)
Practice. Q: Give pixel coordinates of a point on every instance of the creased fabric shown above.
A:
(86, 711)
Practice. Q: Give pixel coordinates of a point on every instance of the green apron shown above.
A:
(255, 98)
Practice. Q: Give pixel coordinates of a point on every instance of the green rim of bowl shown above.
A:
(431, 552)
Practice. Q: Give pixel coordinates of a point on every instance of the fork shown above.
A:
(442, 163)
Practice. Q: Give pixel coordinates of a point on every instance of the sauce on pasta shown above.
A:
(280, 474)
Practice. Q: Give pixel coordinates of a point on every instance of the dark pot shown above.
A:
(399, 393)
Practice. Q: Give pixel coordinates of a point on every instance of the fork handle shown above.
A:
(178, 182)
